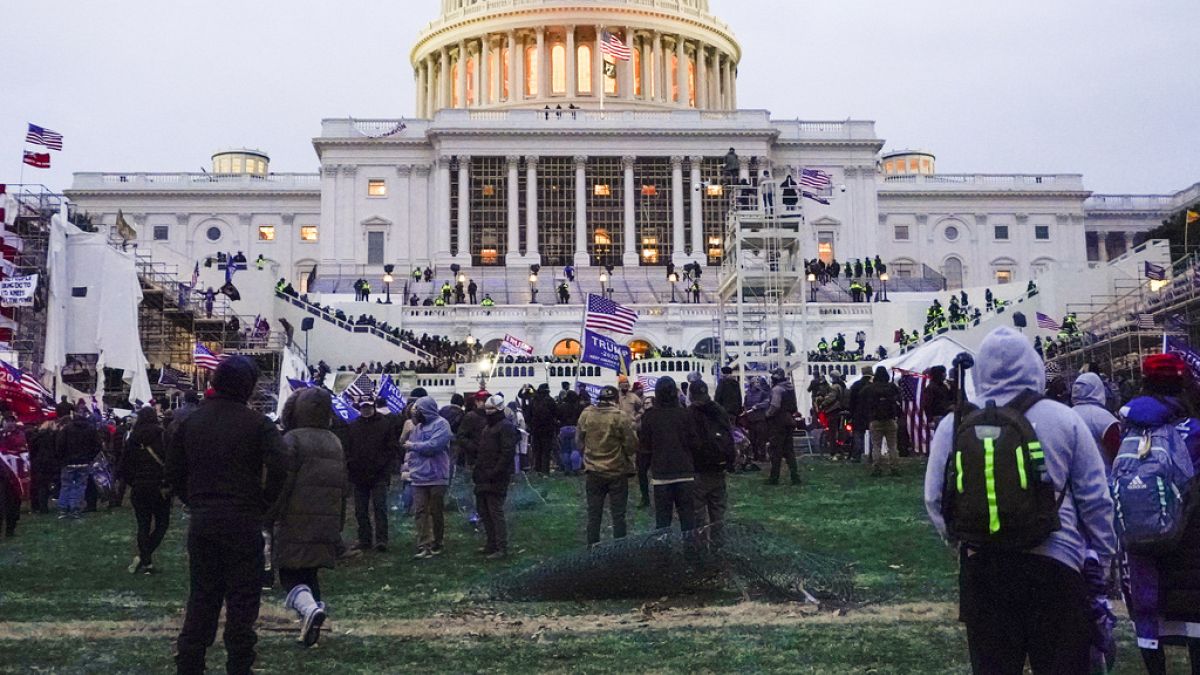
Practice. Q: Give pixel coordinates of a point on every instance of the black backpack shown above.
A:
(883, 401)
(997, 491)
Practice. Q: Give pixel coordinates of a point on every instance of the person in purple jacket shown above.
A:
(427, 463)
(1031, 604)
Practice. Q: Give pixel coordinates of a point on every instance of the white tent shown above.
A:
(939, 351)
(291, 366)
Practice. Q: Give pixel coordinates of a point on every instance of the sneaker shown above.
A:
(435, 551)
(350, 554)
(422, 554)
(485, 551)
(310, 630)
(149, 570)
(135, 566)
(498, 555)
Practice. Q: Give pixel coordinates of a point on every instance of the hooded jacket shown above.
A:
(143, 462)
(716, 452)
(371, 447)
(78, 442)
(668, 440)
(783, 405)
(428, 458)
(607, 438)
(1007, 366)
(729, 396)
(495, 463)
(308, 513)
(1089, 397)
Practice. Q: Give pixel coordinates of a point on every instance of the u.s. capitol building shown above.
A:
(530, 144)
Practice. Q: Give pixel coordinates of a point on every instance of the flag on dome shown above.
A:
(204, 358)
(611, 45)
(45, 137)
(1192, 217)
(1046, 322)
(604, 314)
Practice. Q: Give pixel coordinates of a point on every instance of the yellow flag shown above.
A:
(1193, 217)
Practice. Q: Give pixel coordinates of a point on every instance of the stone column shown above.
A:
(1128, 242)
(542, 79)
(477, 48)
(517, 86)
(444, 80)
(1102, 246)
(727, 82)
(460, 82)
(420, 77)
(572, 66)
(430, 88)
(581, 220)
(626, 89)
(698, 244)
(484, 67)
(733, 104)
(678, 254)
(443, 209)
(464, 210)
(630, 255)
(701, 77)
(512, 253)
(513, 87)
(660, 89)
(532, 254)
(681, 71)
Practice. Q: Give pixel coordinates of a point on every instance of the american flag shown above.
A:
(912, 386)
(42, 136)
(604, 314)
(1176, 345)
(1047, 323)
(195, 276)
(1145, 321)
(816, 179)
(174, 379)
(611, 45)
(203, 358)
(27, 382)
(361, 389)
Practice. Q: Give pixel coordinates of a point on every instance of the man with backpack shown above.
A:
(860, 414)
(714, 456)
(1159, 530)
(883, 406)
(1015, 481)
(781, 421)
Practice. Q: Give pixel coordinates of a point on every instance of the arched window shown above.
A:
(692, 82)
(674, 85)
(640, 348)
(503, 79)
(531, 72)
(583, 76)
(952, 269)
(558, 69)
(454, 89)
(566, 348)
(708, 347)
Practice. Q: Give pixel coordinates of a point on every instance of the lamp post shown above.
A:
(533, 288)
(471, 342)
(812, 287)
(883, 290)
(673, 277)
(387, 282)
(604, 283)
(485, 368)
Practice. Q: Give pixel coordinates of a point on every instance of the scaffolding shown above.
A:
(762, 270)
(36, 206)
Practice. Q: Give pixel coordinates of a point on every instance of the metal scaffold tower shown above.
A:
(762, 270)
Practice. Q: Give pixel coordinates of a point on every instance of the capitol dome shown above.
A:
(680, 56)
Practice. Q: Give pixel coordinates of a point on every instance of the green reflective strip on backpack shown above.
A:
(1021, 467)
(958, 470)
(1035, 450)
(989, 472)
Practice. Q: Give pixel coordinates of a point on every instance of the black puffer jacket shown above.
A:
(78, 442)
(668, 438)
(1179, 576)
(470, 432)
(143, 463)
(494, 464)
(308, 514)
(716, 452)
(371, 447)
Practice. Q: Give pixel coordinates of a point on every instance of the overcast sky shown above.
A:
(1104, 88)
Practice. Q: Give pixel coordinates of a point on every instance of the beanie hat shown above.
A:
(235, 378)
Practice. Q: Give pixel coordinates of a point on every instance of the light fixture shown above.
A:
(533, 278)
(485, 363)
(882, 277)
(462, 277)
(604, 277)
(387, 279)
(813, 277)
(471, 341)
(673, 277)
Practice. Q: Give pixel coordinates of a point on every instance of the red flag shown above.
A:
(39, 160)
(3, 188)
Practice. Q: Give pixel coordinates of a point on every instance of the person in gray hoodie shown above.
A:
(1030, 604)
(1089, 397)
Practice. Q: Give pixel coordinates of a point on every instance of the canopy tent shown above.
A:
(939, 351)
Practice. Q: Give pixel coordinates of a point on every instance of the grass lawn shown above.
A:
(67, 604)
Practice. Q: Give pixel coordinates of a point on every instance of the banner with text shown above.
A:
(18, 291)
(514, 347)
(605, 352)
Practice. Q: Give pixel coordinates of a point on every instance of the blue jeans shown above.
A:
(73, 485)
(566, 448)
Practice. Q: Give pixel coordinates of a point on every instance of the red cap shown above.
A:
(1164, 367)
(482, 395)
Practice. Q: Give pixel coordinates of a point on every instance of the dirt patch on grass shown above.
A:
(474, 623)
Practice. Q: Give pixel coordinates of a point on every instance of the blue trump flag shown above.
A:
(344, 409)
(605, 352)
(389, 392)
(297, 385)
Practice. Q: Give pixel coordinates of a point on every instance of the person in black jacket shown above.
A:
(860, 417)
(225, 463)
(77, 445)
(729, 394)
(44, 462)
(372, 443)
(143, 468)
(715, 455)
(543, 423)
(668, 445)
(883, 401)
(470, 430)
(937, 401)
(493, 470)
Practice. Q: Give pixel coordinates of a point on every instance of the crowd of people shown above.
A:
(834, 351)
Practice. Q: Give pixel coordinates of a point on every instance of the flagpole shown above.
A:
(582, 328)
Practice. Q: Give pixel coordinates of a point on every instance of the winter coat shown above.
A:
(607, 438)
(782, 406)
(371, 444)
(569, 410)
(668, 440)
(143, 465)
(308, 513)
(1089, 398)
(712, 456)
(496, 461)
(937, 401)
(43, 449)
(428, 458)
(1005, 367)
(632, 405)
(860, 413)
(469, 433)
(225, 461)
(78, 442)
(454, 415)
(882, 399)
(729, 396)
(758, 399)
(543, 415)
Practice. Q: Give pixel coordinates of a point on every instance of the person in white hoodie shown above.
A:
(1031, 604)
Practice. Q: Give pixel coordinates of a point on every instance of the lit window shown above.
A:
(531, 72)
(1004, 276)
(637, 72)
(266, 233)
(237, 164)
(308, 233)
(900, 233)
(489, 190)
(1041, 232)
(583, 78)
(649, 191)
(376, 187)
(601, 237)
(715, 190)
(912, 165)
(887, 167)
(1001, 233)
(558, 69)
(602, 190)
(161, 233)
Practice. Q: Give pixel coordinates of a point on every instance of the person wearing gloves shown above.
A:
(1027, 604)
(308, 513)
(428, 466)
(494, 467)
